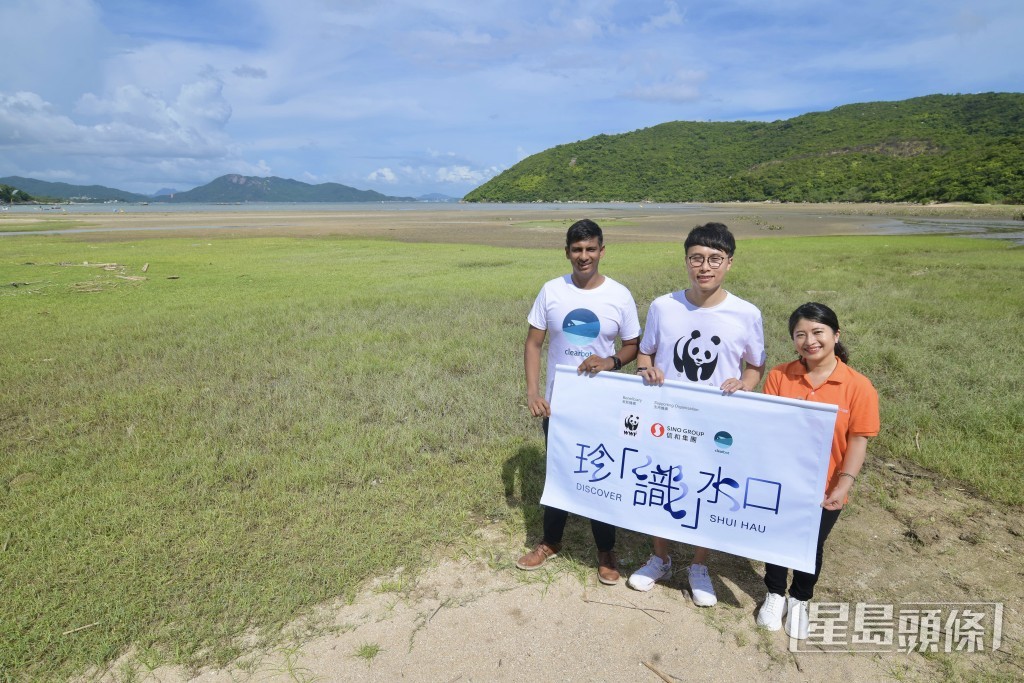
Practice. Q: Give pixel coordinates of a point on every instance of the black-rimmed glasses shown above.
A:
(697, 260)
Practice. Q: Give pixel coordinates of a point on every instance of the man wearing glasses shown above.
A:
(706, 335)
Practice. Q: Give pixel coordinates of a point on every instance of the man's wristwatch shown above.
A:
(616, 363)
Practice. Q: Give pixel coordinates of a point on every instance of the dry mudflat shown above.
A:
(908, 537)
(519, 227)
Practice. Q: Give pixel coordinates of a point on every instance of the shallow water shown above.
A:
(966, 227)
(993, 228)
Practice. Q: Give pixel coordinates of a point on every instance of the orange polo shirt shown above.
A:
(846, 388)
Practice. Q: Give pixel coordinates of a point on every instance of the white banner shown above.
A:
(743, 474)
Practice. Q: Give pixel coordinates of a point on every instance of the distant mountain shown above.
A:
(437, 197)
(164, 192)
(78, 193)
(937, 148)
(239, 188)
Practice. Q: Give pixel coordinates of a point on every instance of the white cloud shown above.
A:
(415, 179)
(672, 17)
(26, 119)
(198, 109)
(683, 86)
(246, 71)
(435, 154)
(52, 48)
(383, 175)
(464, 174)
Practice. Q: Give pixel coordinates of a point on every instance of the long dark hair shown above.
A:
(819, 313)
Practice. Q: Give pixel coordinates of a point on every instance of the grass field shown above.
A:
(36, 224)
(261, 425)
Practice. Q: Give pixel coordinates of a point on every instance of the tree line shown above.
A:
(12, 195)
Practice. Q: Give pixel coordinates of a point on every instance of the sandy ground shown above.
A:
(908, 537)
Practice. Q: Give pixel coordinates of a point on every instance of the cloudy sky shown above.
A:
(409, 97)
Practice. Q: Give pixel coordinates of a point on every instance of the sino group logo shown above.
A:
(581, 326)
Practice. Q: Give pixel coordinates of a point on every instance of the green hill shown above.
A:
(239, 188)
(12, 195)
(944, 148)
(79, 193)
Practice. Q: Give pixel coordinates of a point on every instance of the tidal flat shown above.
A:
(516, 225)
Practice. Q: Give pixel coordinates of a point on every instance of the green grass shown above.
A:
(189, 460)
(14, 224)
(934, 323)
(367, 651)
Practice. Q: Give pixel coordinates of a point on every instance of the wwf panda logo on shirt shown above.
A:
(697, 359)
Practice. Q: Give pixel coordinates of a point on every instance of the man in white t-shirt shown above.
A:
(706, 335)
(583, 312)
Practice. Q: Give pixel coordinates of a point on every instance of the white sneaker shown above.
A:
(771, 612)
(796, 619)
(701, 590)
(655, 570)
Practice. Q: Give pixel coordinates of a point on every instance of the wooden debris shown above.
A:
(660, 674)
(434, 613)
(80, 628)
(86, 264)
(645, 610)
(87, 287)
(145, 267)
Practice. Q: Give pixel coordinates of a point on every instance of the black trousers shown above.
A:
(802, 587)
(555, 519)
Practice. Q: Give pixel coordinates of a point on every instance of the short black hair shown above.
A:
(583, 230)
(713, 236)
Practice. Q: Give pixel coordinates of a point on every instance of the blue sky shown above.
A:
(408, 98)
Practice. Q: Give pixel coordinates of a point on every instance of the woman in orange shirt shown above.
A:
(820, 374)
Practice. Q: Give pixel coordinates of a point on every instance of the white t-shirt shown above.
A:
(703, 345)
(582, 322)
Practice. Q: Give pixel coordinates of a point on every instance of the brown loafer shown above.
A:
(607, 568)
(536, 558)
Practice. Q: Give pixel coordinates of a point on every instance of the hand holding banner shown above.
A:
(742, 473)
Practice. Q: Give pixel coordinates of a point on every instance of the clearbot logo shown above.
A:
(581, 326)
(723, 439)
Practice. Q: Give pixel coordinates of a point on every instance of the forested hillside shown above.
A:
(12, 195)
(46, 191)
(937, 148)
